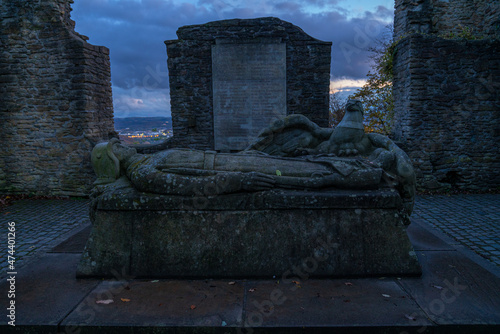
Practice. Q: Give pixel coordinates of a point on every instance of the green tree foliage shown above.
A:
(376, 94)
(378, 103)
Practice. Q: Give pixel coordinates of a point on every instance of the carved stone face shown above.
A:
(354, 105)
(123, 152)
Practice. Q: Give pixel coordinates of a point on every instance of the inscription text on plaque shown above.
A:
(249, 89)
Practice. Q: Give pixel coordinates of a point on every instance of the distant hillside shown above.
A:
(143, 123)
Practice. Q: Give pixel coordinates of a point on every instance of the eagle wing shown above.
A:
(285, 136)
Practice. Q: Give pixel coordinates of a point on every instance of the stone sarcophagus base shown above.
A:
(271, 233)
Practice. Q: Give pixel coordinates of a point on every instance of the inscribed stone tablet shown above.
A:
(249, 90)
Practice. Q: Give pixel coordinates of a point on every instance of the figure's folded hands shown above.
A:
(255, 181)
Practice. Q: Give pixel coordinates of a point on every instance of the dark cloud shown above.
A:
(287, 6)
(385, 13)
(134, 31)
(351, 39)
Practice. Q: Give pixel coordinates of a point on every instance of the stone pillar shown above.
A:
(55, 100)
(447, 93)
(445, 17)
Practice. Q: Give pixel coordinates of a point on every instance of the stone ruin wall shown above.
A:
(447, 16)
(190, 73)
(55, 100)
(447, 93)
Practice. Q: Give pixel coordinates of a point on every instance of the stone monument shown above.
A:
(338, 199)
(229, 79)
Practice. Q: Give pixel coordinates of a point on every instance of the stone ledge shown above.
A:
(122, 196)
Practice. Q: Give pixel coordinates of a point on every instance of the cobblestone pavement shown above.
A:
(472, 220)
(40, 225)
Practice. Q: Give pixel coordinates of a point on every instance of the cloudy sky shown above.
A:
(134, 31)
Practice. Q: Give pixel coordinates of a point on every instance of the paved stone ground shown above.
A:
(40, 225)
(472, 220)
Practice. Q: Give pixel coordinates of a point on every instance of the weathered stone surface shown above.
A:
(55, 99)
(261, 234)
(121, 196)
(190, 74)
(445, 17)
(249, 89)
(295, 136)
(446, 93)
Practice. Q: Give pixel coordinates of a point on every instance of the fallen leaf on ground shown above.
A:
(296, 282)
(125, 299)
(410, 317)
(231, 283)
(104, 301)
(348, 283)
(386, 296)
(193, 307)
(251, 290)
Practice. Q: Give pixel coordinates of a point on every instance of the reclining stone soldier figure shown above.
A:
(189, 172)
(375, 161)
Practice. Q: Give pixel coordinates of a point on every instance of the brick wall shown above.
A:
(55, 100)
(190, 74)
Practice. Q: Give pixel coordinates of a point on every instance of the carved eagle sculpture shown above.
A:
(296, 135)
(349, 136)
